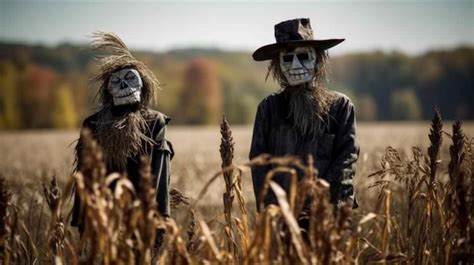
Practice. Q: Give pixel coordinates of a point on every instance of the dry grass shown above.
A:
(416, 206)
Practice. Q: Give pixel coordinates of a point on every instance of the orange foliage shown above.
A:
(39, 83)
(37, 96)
(201, 99)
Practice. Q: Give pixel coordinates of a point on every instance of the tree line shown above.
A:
(48, 87)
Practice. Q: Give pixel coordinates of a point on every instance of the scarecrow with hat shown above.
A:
(124, 126)
(304, 117)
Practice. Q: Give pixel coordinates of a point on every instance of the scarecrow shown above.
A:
(304, 117)
(124, 126)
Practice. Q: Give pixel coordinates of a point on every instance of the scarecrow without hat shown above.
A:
(125, 127)
(304, 118)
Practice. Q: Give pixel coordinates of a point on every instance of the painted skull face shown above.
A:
(125, 86)
(298, 65)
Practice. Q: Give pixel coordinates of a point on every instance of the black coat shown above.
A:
(335, 151)
(160, 155)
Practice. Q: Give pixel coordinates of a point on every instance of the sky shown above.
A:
(412, 27)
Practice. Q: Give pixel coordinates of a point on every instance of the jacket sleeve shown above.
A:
(344, 157)
(160, 167)
(260, 146)
(77, 211)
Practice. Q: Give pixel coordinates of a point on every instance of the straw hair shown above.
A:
(122, 137)
(120, 58)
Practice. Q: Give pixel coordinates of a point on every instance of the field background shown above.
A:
(395, 71)
(32, 157)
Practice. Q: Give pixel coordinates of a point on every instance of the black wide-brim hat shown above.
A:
(291, 34)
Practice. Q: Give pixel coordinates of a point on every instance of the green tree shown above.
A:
(404, 105)
(239, 105)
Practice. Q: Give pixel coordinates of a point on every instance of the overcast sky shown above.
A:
(408, 26)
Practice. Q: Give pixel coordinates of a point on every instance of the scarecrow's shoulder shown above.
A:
(271, 100)
(341, 105)
(156, 117)
(91, 121)
(157, 121)
(280, 94)
(340, 99)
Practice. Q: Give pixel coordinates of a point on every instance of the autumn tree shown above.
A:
(201, 97)
(9, 108)
(63, 111)
(37, 96)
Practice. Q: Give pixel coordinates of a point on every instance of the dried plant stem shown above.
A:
(457, 201)
(52, 194)
(386, 226)
(227, 154)
(121, 219)
(436, 139)
(5, 235)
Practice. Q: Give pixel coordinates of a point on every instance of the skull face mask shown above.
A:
(125, 86)
(298, 65)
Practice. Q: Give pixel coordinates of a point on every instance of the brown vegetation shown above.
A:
(423, 215)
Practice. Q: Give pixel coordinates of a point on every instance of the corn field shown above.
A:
(420, 212)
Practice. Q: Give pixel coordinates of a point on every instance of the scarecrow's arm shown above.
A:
(345, 154)
(160, 167)
(77, 214)
(260, 146)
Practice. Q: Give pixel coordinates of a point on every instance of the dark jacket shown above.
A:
(160, 155)
(335, 151)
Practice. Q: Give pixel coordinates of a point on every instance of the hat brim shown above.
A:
(267, 52)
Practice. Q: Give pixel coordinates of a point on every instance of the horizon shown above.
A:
(426, 26)
(84, 45)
